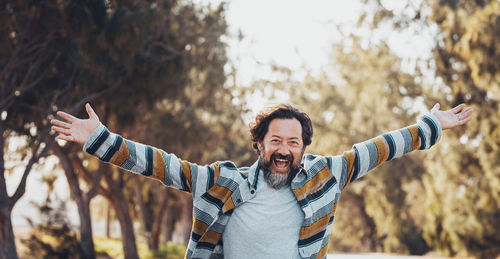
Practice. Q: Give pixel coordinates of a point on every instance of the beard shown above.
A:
(278, 180)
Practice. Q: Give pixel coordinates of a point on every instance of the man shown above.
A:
(282, 206)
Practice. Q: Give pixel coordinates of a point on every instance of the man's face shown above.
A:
(281, 151)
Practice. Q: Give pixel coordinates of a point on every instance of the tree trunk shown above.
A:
(158, 219)
(86, 241)
(173, 217)
(370, 240)
(7, 241)
(82, 201)
(115, 195)
(145, 218)
(169, 220)
(126, 226)
(108, 220)
(187, 218)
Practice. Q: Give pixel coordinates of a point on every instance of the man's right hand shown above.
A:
(74, 129)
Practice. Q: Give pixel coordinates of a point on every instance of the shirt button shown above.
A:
(252, 191)
(238, 200)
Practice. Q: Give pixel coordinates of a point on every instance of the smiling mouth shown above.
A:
(281, 164)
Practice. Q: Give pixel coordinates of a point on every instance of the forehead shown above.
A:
(285, 128)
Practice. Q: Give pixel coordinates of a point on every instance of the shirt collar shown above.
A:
(253, 174)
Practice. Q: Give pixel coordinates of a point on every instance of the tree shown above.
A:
(466, 55)
(462, 199)
(30, 43)
(131, 57)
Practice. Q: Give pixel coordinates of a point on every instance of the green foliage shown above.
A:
(448, 198)
(153, 71)
(112, 248)
(53, 236)
(463, 180)
(468, 184)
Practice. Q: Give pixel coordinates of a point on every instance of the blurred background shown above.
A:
(188, 77)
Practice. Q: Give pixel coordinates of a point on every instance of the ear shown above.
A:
(259, 145)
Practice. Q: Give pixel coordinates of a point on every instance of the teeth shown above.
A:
(281, 160)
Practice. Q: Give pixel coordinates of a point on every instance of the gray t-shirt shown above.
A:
(266, 226)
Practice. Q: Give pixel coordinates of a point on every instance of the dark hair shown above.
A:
(259, 128)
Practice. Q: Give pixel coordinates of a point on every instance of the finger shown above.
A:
(90, 111)
(67, 116)
(435, 107)
(463, 121)
(458, 108)
(61, 124)
(61, 130)
(466, 113)
(67, 138)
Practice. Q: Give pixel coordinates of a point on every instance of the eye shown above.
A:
(295, 143)
(275, 140)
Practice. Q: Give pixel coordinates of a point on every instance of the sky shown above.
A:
(300, 34)
(290, 33)
(297, 34)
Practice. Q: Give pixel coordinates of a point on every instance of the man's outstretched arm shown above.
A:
(132, 156)
(369, 154)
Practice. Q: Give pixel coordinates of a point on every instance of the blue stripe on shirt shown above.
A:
(112, 150)
(422, 138)
(390, 143)
(433, 128)
(356, 166)
(184, 186)
(98, 142)
(149, 161)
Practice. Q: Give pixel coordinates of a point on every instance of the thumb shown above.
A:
(436, 107)
(91, 111)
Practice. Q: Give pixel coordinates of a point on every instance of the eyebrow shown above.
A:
(281, 137)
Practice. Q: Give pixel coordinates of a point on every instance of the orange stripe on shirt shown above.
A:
(415, 139)
(220, 192)
(186, 169)
(199, 227)
(382, 148)
(322, 252)
(228, 205)
(349, 156)
(314, 184)
(158, 165)
(211, 237)
(121, 155)
(319, 225)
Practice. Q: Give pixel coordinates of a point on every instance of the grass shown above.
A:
(112, 247)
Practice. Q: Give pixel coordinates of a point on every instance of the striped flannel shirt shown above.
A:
(221, 187)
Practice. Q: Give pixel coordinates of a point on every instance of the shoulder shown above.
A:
(228, 169)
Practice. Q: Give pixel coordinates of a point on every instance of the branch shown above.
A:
(21, 188)
(96, 182)
(87, 176)
(69, 171)
(3, 187)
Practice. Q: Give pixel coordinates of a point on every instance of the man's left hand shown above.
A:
(453, 117)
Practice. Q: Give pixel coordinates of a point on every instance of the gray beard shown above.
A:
(275, 180)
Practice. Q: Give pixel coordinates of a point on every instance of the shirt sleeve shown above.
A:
(369, 154)
(150, 161)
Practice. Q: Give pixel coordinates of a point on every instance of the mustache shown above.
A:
(280, 156)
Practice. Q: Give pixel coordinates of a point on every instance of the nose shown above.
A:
(283, 149)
